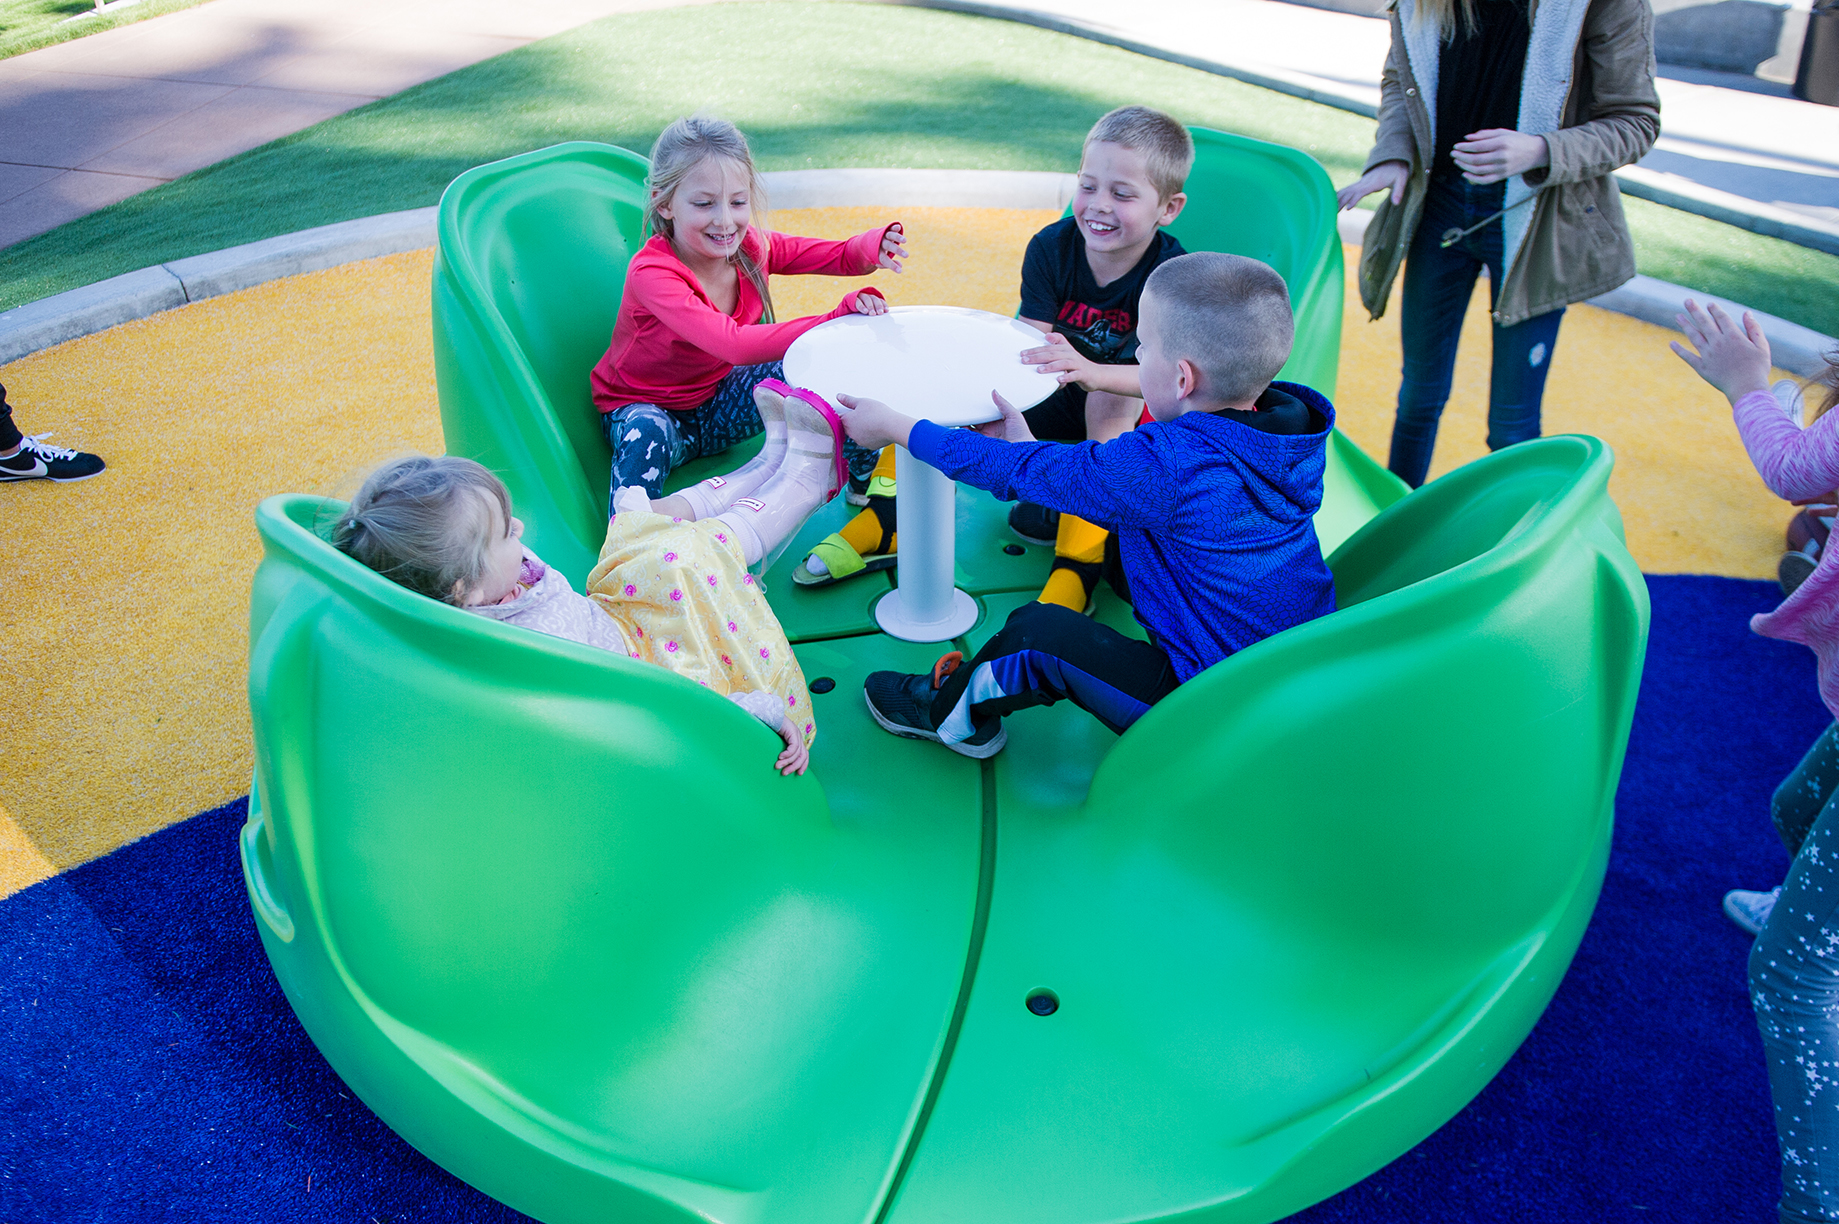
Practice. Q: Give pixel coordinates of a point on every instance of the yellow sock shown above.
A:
(1064, 587)
(1079, 540)
(866, 531)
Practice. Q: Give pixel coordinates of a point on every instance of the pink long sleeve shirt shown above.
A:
(671, 346)
(1798, 464)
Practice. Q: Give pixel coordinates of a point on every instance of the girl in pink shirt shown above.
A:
(695, 332)
(1794, 967)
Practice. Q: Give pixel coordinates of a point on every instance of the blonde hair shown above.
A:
(1443, 15)
(424, 523)
(679, 149)
(1227, 314)
(1167, 149)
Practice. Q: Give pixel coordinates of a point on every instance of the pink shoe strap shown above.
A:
(840, 476)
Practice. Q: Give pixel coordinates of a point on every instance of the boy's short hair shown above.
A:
(1229, 316)
(1167, 149)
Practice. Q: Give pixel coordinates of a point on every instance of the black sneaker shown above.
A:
(902, 704)
(1035, 524)
(1794, 569)
(39, 460)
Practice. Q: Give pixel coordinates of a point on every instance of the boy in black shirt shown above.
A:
(1082, 281)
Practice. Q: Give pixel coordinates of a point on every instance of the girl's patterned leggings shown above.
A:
(650, 442)
(1794, 985)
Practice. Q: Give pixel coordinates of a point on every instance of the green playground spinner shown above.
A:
(551, 914)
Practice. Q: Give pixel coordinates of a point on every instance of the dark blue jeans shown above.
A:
(1438, 285)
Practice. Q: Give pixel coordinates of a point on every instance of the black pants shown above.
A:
(1048, 653)
(9, 432)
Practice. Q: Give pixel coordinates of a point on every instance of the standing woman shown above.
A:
(1500, 121)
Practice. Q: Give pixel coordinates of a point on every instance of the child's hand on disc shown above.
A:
(871, 424)
(893, 247)
(1059, 357)
(797, 756)
(866, 303)
(1010, 426)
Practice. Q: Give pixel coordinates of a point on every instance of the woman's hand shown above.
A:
(893, 247)
(1387, 175)
(865, 303)
(797, 756)
(1010, 426)
(1493, 154)
(1733, 359)
(1059, 357)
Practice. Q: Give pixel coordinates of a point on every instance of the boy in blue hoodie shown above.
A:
(1211, 508)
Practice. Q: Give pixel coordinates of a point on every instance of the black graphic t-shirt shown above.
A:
(1058, 287)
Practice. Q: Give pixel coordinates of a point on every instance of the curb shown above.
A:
(136, 295)
(1651, 185)
(1801, 351)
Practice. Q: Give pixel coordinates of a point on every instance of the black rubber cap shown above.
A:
(823, 684)
(1043, 1003)
(1014, 550)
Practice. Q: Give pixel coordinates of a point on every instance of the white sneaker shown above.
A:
(1751, 910)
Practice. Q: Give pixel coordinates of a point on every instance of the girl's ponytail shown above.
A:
(679, 149)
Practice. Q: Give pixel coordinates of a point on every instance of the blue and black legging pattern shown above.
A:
(650, 442)
(1794, 986)
(1047, 653)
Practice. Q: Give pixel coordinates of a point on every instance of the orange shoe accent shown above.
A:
(947, 664)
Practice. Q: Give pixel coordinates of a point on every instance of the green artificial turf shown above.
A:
(812, 85)
(27, 25)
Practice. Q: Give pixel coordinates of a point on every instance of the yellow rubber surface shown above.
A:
(126, 606)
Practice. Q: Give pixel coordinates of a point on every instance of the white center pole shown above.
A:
(926, 606)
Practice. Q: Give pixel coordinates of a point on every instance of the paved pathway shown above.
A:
(93, 121)
(1750, 148)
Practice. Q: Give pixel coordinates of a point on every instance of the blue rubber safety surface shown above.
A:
(151, 1070)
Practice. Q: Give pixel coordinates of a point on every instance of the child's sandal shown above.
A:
(842, 562)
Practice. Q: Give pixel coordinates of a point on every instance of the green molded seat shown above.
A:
(552, 916)
(527, 279)
(1315, 898)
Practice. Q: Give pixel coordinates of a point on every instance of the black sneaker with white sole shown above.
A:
(39, 460)
(1035, 524)
(902, 704)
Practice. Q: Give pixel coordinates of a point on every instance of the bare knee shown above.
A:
(1109, 414)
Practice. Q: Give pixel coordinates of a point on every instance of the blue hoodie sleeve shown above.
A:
(1121, 483)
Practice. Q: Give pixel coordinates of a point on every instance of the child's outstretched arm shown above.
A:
(682, 310)
(1797, 464)
(1113, 483)
(792, 255)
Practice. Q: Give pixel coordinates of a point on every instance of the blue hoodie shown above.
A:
(1214, 518)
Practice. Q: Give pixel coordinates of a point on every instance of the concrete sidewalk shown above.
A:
(92, 121)
(95, 120)
(1758, 159)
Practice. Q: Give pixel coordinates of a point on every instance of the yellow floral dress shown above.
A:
(681, 594)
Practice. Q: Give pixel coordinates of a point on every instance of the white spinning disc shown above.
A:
(937, 362)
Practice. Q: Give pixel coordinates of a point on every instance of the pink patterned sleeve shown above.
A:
(1796, 464)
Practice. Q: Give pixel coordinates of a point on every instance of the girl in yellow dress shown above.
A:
(672, 587)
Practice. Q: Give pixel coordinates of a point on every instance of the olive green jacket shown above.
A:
(1588, 88)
